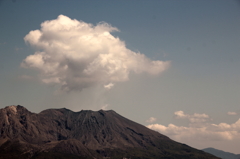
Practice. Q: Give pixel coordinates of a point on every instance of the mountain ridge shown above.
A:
(84, 134)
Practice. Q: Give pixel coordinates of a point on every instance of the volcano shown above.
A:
(62, 133)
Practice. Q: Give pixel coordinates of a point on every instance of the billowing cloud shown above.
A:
(151, 120)
(206, 132)
(77, 55)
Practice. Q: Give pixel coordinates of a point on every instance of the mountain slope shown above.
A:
(61, 133)
(222, 154)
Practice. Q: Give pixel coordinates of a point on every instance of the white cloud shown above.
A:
(109, 86)
(151, 120)
(180, 114)
(194, 118)
(232, 113)
(77, 55)
(206, 132)
(196, 134)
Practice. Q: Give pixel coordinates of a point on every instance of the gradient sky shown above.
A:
(195, 100)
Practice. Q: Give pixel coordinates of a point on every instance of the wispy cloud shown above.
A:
(104, 107)
(26, 77)
(194, 118)
(151, 120)
(109, 86)
(77, 55)
(18, 49)
(232, 113)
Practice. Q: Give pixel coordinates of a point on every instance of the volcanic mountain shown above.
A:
(62, 133)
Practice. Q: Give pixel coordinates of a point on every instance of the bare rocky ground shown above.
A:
(62, 133)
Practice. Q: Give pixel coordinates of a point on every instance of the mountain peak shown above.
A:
(12, 109)
(92, 134)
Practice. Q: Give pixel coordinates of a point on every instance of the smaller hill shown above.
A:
(221, 154)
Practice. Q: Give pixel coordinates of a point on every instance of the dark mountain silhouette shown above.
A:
(222, 154)
(62, 133)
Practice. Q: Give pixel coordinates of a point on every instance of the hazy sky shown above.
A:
(171, 65)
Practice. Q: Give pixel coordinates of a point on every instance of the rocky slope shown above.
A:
(62, 133)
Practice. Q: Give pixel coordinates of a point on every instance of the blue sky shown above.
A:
(196, 93)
